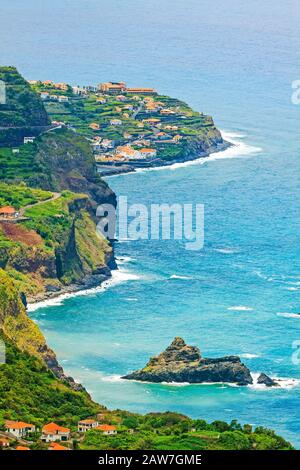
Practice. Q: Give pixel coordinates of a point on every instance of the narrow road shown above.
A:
(53, 198)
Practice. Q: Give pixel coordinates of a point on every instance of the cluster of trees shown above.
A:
(172, 431)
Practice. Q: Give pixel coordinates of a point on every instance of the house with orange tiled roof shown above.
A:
(94, 126)
(22, 448)
(152, 121)
(61, 86)
(18, 428)
(127, 151)
(53, 432)
(112, 87)
(87, 424)
(56, 446)
(8, 212)
(107, 429)
(148, 152)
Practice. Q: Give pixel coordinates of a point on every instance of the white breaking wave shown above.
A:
(240, 308)
(117, 277)
(176, 276)
(289, 315)
(249, 356)
(113, 378)
(226, 251)
(239, 149)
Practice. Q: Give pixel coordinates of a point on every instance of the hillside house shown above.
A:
(87, 424)
(115, 122)
(148, 152)
(44, 95)
(19, 429)
(28, 140)
(61, 86)
(128, 151)
(107, 429)
(8, 212)
(63, 99)
(53, 432)
(113, 88)
(94, 126)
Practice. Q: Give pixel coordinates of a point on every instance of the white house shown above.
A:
(63, 99)
(44, 96)
(107, 144)
(147, 152)
(53, 432)
(115, 122)
(107, 429)
(18, 428)
(29, 140)
(87, 424)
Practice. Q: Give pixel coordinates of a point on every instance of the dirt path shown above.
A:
(53, 198)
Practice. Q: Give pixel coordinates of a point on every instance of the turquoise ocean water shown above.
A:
(240, 294)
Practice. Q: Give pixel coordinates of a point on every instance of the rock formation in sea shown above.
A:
(264, 379)
(183, 363)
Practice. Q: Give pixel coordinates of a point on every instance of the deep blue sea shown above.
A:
(239, 295)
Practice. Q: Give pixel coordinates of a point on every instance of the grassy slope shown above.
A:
(23, 110)
(30, 392)
(69, 249)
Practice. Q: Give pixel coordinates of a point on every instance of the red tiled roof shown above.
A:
(17, 425)
(7, 210)
(87, 421)
(55, 446)
(106, 427)
(22, 448)
(53, 428)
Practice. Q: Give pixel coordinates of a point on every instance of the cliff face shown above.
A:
(22, 331)
(56, 247)
(23, 114)
(65, 161)
(182, 363)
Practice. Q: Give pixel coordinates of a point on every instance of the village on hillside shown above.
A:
(18, 435)
(124, 125)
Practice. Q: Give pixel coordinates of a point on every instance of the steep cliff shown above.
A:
(57, 245)
(23, 113)
(64, 160)
(22, 332)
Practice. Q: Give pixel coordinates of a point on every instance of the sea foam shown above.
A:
(117, 277)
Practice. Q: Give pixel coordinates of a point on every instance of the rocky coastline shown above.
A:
(114, 170)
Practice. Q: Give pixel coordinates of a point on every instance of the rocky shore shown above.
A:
(183, 363)
(112, 170)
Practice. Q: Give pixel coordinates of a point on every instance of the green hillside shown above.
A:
(23, 114)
